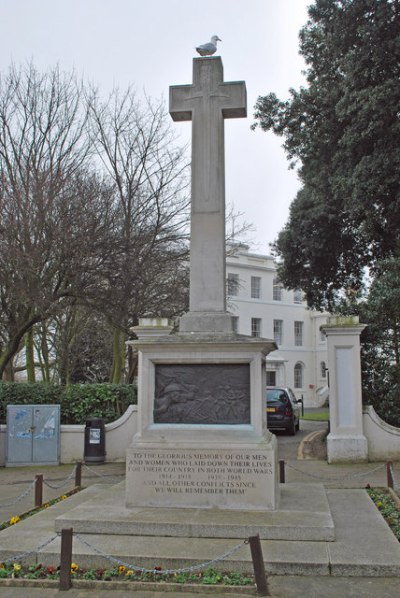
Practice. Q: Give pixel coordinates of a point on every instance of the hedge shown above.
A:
(78, 401)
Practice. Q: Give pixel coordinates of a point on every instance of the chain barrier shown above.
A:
(337, 479)
(163, 571)
(102, 475)
(56, 487)
(21, 556)
(20, 497)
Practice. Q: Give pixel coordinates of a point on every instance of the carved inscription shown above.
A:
(200, 473)
(202, 394)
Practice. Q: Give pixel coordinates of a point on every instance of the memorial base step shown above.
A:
(304, 514)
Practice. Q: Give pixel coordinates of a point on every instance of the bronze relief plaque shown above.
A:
(202, 394)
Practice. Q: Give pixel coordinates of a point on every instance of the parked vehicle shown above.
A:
(283, 409)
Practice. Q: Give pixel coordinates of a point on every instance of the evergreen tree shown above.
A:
(343, 129)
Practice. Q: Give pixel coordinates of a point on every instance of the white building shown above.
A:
(262, 307)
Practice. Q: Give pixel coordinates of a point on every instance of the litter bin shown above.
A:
(95, 441)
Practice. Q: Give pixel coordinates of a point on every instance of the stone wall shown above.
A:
(383, 439)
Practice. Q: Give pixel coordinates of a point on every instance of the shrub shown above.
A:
(78, 401)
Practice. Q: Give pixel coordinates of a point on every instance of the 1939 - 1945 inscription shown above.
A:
(202, 394)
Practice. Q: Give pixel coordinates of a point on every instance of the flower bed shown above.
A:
(388, 507)
(210, 576)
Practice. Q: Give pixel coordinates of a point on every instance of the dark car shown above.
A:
(283, 410)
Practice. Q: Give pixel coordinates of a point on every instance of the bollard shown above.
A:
(282, 471)
(78, 474)
(39, 490)
(258, 566)
(66, 559)
(389, 473)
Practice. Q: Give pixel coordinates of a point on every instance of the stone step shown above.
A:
(363, 546)
(304, 514)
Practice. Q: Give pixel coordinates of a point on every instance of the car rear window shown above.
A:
(276, 396)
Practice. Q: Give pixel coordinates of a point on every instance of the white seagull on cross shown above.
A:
(209, 48)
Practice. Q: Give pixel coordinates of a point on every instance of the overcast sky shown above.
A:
(150, 44)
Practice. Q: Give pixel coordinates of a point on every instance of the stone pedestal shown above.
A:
(202, 439)
(346, 440)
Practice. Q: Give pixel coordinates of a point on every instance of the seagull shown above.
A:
(210, 48)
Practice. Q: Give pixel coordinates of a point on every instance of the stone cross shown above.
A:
(207, 102)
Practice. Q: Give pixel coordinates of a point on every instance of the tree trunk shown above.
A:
(30, 356)
(132, 365)
(118, 356)
(44, 352)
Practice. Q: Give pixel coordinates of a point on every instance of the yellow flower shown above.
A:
(17, 567)
(2, 566)
(129, 573)
(74, 567)
(121, 569)
(46, 505)
(64, 496)
(14, 520)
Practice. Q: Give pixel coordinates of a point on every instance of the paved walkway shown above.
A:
(17, 492)
(279, 586)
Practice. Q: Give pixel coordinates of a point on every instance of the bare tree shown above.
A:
(55, 214)
(149, 175)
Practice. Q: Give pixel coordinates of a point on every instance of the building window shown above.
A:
(278, 331)
(271, 378)
(322, 336)
(233, 284)
(255, 326)
(298, 375)
(323, 369)
(298, 334)
(255, 287)
(277, 290)
(297, 296)
(235, 323)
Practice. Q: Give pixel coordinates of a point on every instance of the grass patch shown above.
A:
(387, 507)
(316, 416)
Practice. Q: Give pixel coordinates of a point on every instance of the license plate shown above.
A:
(271, 409)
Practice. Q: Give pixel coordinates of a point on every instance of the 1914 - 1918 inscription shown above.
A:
(197, 473)
(202, 394)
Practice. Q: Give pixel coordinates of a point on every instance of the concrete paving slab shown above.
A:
(16, 481)
(30, 533)
(304, 514)
(364, 541)
(280, 587)
(333, 587)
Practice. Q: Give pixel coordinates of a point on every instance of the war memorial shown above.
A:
(201, 470)
(202, 439)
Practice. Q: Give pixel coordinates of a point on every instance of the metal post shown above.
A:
(66, 559)
(78, 474)
(258, 565)
(281, 471)
(39, 490)
(389, 473)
